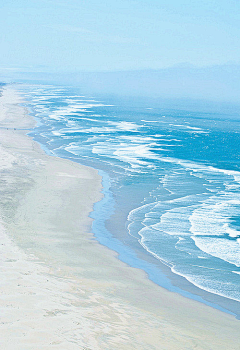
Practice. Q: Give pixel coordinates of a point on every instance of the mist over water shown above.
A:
(181, 170)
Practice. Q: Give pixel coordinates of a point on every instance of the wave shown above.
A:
(186, 215)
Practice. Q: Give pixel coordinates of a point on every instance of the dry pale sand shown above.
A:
(60, 289)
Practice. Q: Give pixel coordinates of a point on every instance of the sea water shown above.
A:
(174, 174)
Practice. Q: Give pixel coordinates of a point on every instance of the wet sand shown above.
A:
(61, 289)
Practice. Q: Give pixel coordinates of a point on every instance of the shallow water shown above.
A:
(176, 173)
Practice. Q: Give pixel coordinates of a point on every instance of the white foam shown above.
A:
(137, 139)
(73, 148)
(137, 212)
(56, 133)
(175, 222)
(89, 119)
(133, 154)
(92, 130)
(125, 126)
(231, 232)
(214, 215)
(149, 121)
(227, 250)
(225, 289)
(190, 128)
(199, 167)
(62, 112)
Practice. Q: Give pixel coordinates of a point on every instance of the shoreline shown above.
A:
(162, 274)
(87, 297)
(134, 255)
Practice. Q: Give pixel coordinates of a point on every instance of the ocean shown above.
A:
(171, 183)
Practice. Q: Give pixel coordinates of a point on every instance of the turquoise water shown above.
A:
(174, 174)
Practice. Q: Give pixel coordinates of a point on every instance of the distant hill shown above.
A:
(215, 83)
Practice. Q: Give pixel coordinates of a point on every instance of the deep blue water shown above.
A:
(175, 173)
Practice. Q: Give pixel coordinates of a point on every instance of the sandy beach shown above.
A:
(61, 289)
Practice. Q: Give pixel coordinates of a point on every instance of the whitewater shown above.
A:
(171, 178)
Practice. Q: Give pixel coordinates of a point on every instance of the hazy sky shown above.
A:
(96, 35)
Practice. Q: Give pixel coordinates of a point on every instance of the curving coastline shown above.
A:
(60, 288)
